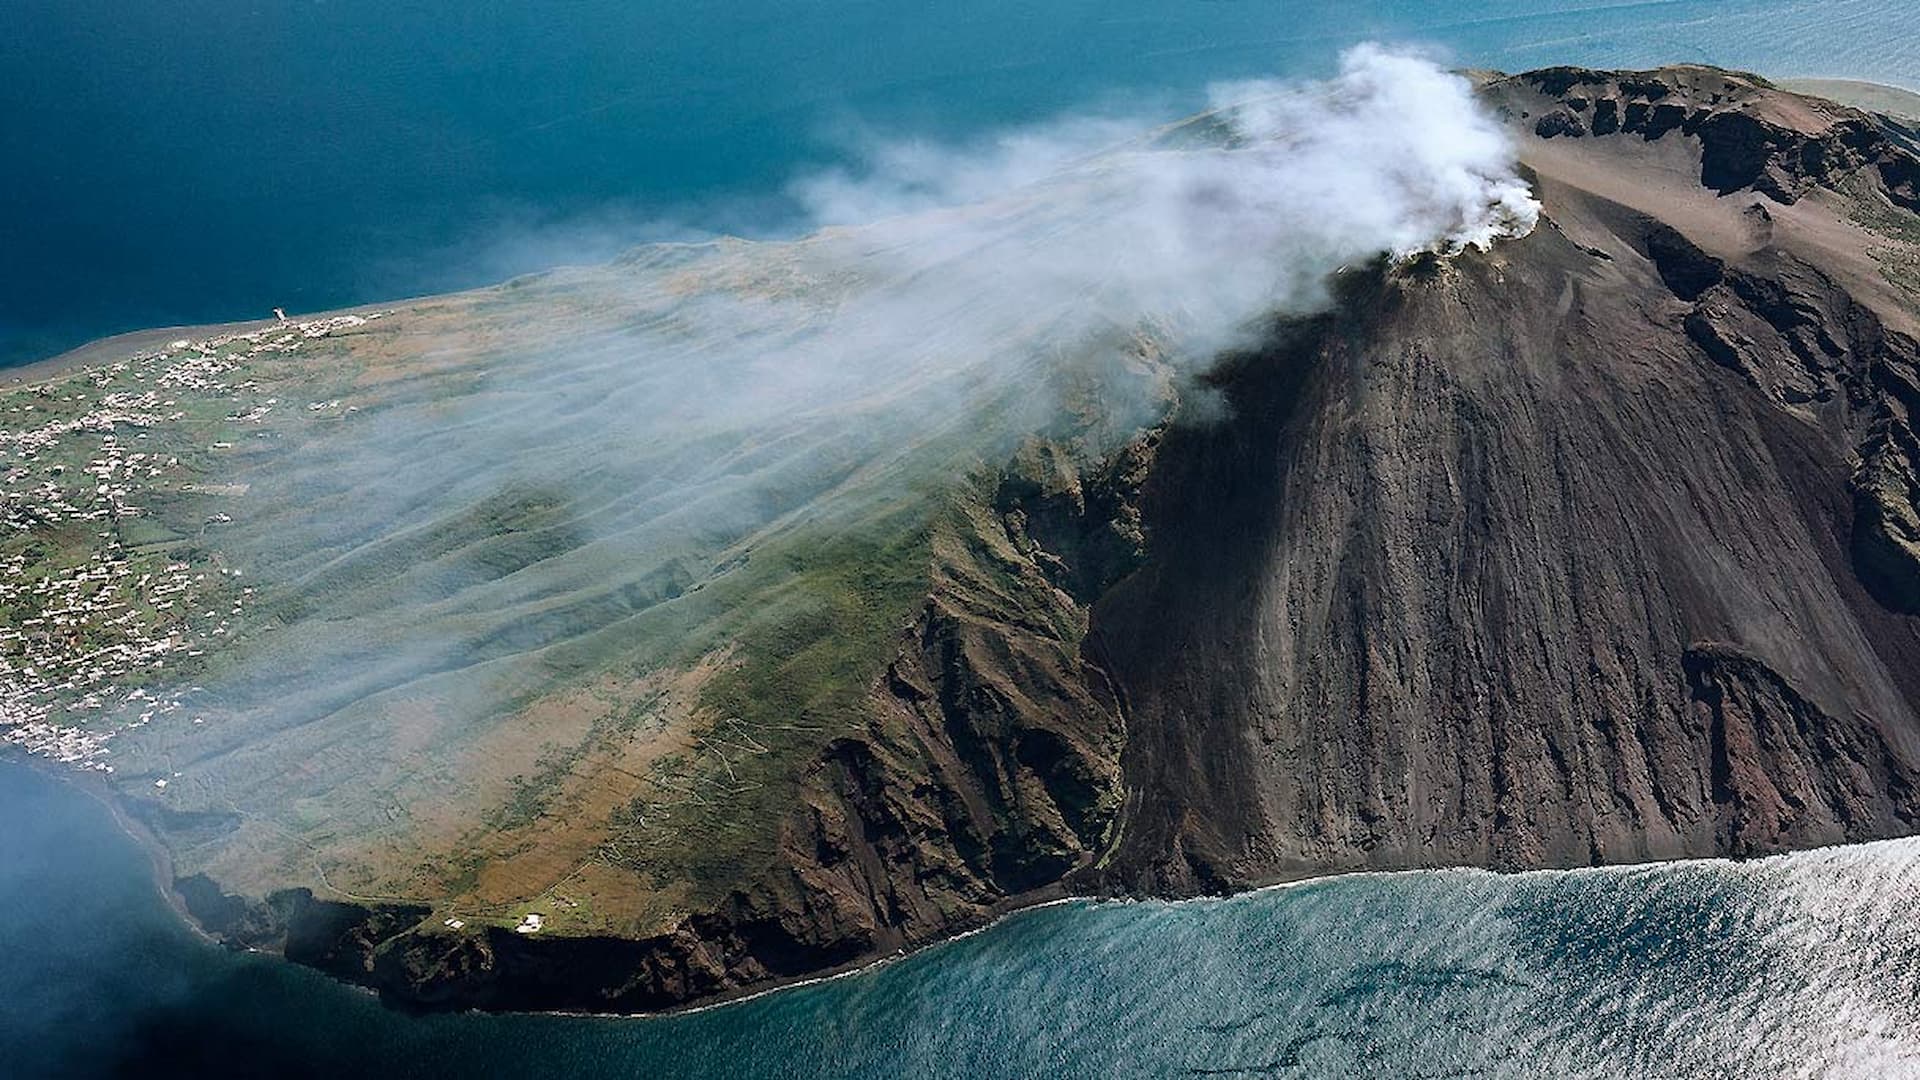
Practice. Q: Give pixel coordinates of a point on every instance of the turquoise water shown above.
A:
(1805, 965)
(202, 160)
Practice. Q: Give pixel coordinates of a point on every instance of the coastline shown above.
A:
(160, 873)
(1900, 102)
(159, 858)
(1289, 964)
(116, 347)
(863, 967)
(159, 864)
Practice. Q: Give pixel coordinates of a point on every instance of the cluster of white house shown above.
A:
(81, 645)
(102, 630)
(39, 492)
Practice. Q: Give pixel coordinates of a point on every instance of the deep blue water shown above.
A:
(1807, 965)
(200, 160)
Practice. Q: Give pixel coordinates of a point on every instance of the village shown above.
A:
(109, 607)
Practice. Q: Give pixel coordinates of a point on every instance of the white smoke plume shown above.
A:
(943, 274)
(1199, 227)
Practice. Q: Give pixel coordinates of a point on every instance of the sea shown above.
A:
(206, 160)
(1800, 965)
(198, 161)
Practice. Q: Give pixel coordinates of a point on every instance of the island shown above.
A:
(426, 665)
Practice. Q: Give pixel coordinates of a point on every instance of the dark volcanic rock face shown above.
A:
(1744, 145)
(1597, 548)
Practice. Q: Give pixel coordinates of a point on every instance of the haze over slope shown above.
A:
(988, 279)
(518, 488)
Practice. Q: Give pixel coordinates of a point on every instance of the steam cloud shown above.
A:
(938, 261)
(1242, 212)
(687, 399)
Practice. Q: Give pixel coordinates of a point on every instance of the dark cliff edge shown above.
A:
(1601, 547)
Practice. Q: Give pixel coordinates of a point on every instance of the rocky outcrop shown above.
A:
(1886, 538)
(1747, 142)
(1785, 772)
